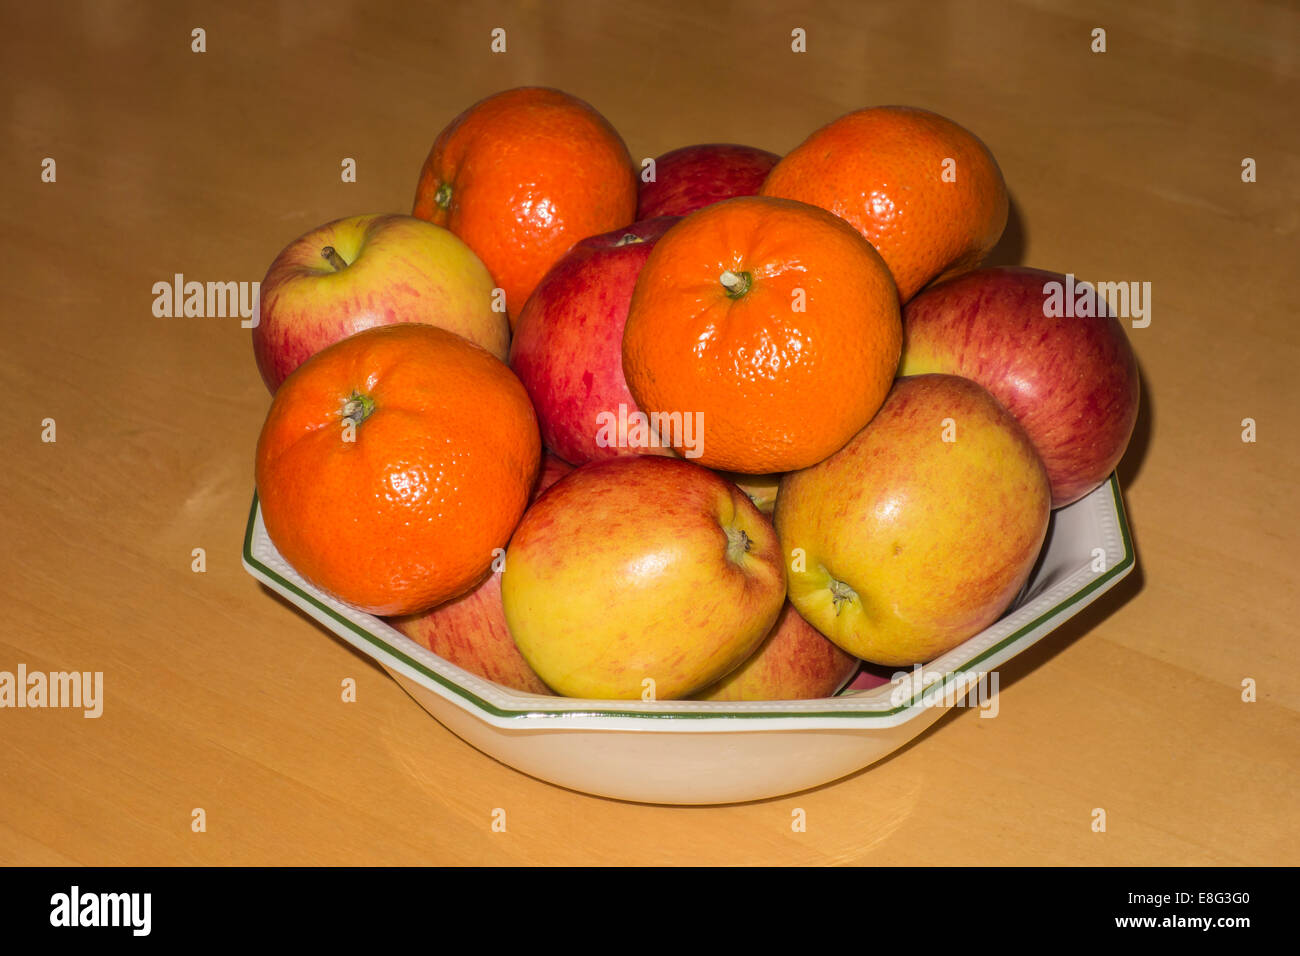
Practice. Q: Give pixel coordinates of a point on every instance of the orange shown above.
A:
(392, 463)
(772, 323)
(523, 175)
(923, 190)
(471, 631)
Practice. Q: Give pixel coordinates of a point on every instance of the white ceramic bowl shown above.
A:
(684, 752)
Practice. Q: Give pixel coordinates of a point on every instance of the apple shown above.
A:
(641, 577)
(1071, 381)
(869, 676)
(693, 177)
(470, 631)
(919, 532)
(794, 662)
(357, 273)
(568, 346)
(762, 489)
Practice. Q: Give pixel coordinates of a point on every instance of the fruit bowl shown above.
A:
(687, 752)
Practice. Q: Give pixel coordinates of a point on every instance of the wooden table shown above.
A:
(1124, 165)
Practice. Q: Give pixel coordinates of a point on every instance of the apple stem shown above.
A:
(738, 544)
(840, 593)
(333, 258)
(627, 239)
(736, 283)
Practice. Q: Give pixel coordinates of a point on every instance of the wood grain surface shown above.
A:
(1124, 165)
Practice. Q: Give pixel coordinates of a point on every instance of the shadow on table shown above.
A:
(1010, 250)
(1131, 464)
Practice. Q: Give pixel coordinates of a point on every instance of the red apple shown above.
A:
(794, 662)
(568, 345)
(693, 177)
(1070, 380)
(869, 676)
(354, 274)
(470, 631)
(641, 575)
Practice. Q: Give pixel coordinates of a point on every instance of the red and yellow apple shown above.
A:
(693, 177)
(794, 662)
(762, 489)
(470, 631)
(568, 345)
(919, 532)
(357, 273)
(1071, 380)
(641, 576)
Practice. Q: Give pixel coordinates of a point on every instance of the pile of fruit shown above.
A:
(721, 425)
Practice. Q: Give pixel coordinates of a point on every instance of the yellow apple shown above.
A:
(921, 530)
(761, 489)
(641, 577)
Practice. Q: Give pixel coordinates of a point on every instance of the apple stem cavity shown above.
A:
(330, 255)
(358, 408)
(738, 544)
(443, 196)
(841, 593)
(736, 283)
(628, 239)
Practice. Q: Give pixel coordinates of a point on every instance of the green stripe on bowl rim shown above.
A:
(1118, 569)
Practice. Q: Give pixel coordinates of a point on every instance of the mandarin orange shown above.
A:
(392, 463)
(773, 321)
(523, 175)
(924, 191)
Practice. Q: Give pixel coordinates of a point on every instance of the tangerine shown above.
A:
(924, 191)
(523, 175)
(392, 463)
(773, 321)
